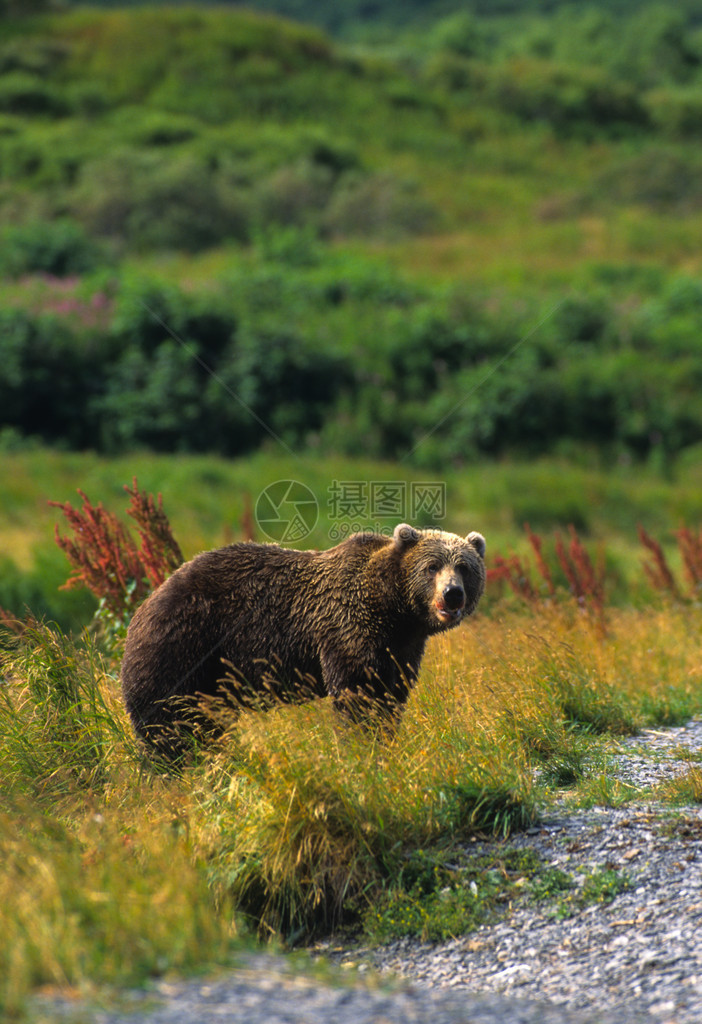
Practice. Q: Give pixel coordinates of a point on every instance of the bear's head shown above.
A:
(444, 574)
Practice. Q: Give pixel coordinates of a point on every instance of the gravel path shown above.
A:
(637, 960)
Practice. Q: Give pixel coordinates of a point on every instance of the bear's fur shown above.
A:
(256, 623)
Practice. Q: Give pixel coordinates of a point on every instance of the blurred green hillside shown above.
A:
(355, 18)
(224, 230)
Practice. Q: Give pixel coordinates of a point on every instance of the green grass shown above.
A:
(100, 901)
(602, 885)
(205, 498)
(437, 897)
(100, 884)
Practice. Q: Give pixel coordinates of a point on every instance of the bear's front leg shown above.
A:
(372, 695)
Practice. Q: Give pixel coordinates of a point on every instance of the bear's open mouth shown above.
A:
(446, 614)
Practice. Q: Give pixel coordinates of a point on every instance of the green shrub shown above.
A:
(171, 353)
(36, 55)
(574, 100)
(42, 160)
(582, 317)
(379, 206)
(155, 201)
(676, 112)
(289, 247)
(462, 34)
(491, 413)
(30, 95)
(657, 47)
(88, 99)
(152, 401)
(147, 127)
(58, 247)
(182, 364)
(661, 177)
(49, 375)
(682, 294)
(295, 195)
(145, 312)
(287, 382)
(181, 206)
(451, 72)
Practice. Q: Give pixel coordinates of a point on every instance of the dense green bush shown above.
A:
(574, 100)
(60, 247)
(662, 177)
(170, 372)
(49, 375)
(657, 46)
(379, 206)
(154, 200)
(180, 206)
(34, 54)
(285, 381)
(25, 93)
(295, 194)
(151, 401)
(303, 350)
(676, 111)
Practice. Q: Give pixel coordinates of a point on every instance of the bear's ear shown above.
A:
(404, 536)
(478, 542)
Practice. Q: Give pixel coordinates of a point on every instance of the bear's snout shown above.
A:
(454, 598)
(450, 603)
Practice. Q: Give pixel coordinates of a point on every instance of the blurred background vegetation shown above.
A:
(447, 236)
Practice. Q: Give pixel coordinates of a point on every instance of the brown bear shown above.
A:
(256, 623)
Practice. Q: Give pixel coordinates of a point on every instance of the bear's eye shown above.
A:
(433, 568)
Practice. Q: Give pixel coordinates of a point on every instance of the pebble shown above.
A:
(636, 960)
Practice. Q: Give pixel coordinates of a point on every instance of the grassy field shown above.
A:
(206, 498)
(115, 872)
(291, 827)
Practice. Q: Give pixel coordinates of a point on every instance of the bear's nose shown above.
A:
(454, 598)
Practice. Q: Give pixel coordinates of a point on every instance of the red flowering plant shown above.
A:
(108, 561)
(659, 573)
(585, 579)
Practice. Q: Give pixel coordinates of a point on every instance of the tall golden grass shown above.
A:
(114, 871)
(117, 869)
